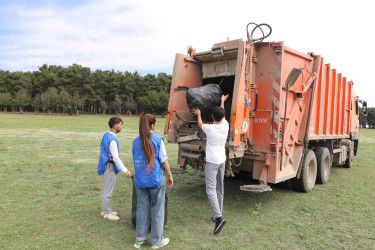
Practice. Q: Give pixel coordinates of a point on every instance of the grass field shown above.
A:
(50, 196)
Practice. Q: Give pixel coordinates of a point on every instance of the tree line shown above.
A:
(76, 89)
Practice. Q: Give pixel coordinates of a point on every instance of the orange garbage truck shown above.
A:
(291, 115)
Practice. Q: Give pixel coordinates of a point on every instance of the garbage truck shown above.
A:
(291, 115)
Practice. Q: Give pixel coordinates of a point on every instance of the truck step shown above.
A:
(260, 188)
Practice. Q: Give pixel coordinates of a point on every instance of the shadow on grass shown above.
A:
(191, 187)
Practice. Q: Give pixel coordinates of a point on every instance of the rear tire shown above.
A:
(349, 161)
(306, 182)
(323, 158)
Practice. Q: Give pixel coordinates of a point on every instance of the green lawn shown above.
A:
(51, 196)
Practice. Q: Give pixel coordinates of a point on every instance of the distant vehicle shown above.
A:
(291, 116)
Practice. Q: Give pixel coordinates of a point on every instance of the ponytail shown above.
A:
(145, 122)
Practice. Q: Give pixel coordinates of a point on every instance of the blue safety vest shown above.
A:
(143, 179)
(104, 153)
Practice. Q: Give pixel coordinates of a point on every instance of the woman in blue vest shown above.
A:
(150, 163)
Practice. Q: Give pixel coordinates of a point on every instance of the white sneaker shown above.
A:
(162, 243)
(111, 217)
(139, 243)
(113, 212)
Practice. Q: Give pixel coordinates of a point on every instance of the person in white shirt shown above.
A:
(110, 164)
(216, 134)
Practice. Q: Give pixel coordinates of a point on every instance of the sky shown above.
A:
(145, 35)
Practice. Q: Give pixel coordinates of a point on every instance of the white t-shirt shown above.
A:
(216, 138)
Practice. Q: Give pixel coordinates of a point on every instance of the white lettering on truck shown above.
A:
(261, 120)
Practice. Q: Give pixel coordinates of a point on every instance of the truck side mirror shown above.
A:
(364, 108)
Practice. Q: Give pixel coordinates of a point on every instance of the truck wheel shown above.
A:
(323, 158)
(349, 161)
(306, 182)
(134, 207)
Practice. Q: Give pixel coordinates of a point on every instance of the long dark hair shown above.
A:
(145, 122)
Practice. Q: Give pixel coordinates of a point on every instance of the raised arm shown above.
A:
(224, 98)
(197, 112)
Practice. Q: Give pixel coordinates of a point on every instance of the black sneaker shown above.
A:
(220, 222)
(213, 219)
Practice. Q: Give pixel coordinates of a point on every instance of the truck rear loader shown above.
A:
(291, 115)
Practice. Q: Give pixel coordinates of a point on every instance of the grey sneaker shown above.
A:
(139, 243)
(162, 243)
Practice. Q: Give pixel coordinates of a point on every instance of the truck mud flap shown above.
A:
(260, 188)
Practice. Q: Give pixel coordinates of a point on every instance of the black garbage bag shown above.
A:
(205, 98)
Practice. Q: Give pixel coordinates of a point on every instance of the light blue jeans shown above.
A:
(151, 202)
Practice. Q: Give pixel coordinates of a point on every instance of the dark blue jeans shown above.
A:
(151, 202)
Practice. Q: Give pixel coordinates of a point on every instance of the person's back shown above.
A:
(150, 163)
(216, 138)
(216, 134)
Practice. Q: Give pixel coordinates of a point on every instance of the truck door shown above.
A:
(187, 73)
(241, 102)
